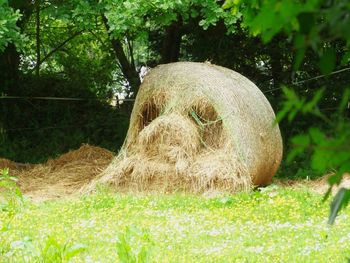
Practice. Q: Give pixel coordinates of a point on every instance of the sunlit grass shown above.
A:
(276, 225)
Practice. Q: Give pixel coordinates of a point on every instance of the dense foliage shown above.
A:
(9, 32)
(322, 28)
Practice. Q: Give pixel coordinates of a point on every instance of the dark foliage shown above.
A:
(36, 129)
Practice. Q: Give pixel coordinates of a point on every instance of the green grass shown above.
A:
(275, 225)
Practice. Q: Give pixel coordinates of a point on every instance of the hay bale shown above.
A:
(197, 127)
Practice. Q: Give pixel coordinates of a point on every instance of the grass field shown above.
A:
(273, 225)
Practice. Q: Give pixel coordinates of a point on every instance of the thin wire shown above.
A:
(58, 98)
(54, 127)
(270, 90)
(41, 128)
(314, 78)
(321, 76)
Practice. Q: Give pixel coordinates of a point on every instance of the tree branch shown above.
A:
(57, 48)
(131, 53)
(172, 41)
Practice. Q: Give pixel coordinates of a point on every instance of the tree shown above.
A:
(13, 18)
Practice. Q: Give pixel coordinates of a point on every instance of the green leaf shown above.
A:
(292, 106)
(308, 107)
(327, 61)
(202, 22)
(292, 114)
(124, 250)
(327, 194)
(290, 94)
(346, 58)
(345, 167)
(293, 153)
(228, 4)
(320, 160)
(300, 143)
(194, 13)
(302, 140)
(4, 172)
(74, 250)
(317, 136)
(340, 201)
(306, 21)
(299, 41)
(335, 179)
(283, 113)
(345, 100)
(300, 45)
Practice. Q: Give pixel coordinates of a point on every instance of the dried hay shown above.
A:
(197, 127)
(65, 175)
(5, 163)
(319, 185)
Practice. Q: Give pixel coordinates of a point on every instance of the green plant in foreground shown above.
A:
(4, 243)
(11, 198)
(11, 201)
(126, 253)
(56, 252)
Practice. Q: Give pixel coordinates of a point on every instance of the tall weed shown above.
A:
(54, 251)
(11, 197)
(134, 246)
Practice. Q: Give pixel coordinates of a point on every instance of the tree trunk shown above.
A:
(127, 67)
(172, 41)
(37, 36)
(128, 70)
(9, 65)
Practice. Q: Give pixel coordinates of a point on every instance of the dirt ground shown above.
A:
(68, 174)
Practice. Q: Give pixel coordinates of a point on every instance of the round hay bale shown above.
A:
(198, 127)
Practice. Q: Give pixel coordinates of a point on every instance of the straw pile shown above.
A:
(319, 185)
(63, 176)
(5, 163)
(197, 127)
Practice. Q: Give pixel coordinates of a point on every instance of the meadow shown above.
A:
(273, 224)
